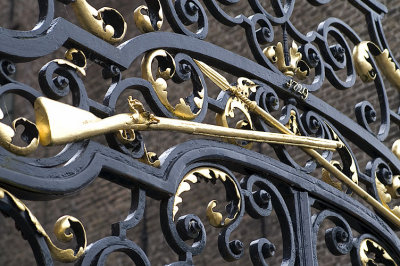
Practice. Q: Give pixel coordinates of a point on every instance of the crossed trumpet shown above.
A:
(221, 82)
(59, 123)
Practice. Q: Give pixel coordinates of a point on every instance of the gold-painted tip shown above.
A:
(396, 148)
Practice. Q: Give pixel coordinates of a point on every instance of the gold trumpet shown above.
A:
(223, 83)
(59, 123)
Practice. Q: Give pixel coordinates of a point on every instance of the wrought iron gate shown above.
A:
(274, 95)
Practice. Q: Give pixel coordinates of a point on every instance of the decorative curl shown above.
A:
(192, 107)
(181, 13)
(338, 239)
(66, 81)
(260, 250)
(98, 252)
(64, 223)
(365, 114)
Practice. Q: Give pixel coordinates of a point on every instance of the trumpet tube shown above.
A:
(60, 123)
(238, 134)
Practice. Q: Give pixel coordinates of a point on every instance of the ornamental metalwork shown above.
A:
(275, 93)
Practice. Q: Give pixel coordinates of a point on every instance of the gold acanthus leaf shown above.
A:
(386, 193)
(94, 21)
(141, 16)
(368, 246)
(61, 227)
(182, 109)
(385, 63)
(7, 134)
(209, 173)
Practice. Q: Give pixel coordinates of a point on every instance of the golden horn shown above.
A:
(59, 123)
(267, 117)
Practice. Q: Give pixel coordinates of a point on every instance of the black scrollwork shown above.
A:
(181, 13)
(28, 230)
(187, 227)
(65, 81)
(261, 196)
(338, 239)
(98, 252)
(261, 249)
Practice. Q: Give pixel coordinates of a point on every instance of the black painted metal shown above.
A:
(291, 188)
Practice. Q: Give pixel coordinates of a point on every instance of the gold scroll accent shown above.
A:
(63, 224)
(396, 148)
(292, 123)
(182, 109)
(59, 123)
(276, 55)
(98, 22)
(75, 59)
(208, 173)
(7, 133)
(235, 103)
(389, 192)
(222, 83)
(368, 246)
(326, 175)
(384, 61)
(128, 135)
(142, 19)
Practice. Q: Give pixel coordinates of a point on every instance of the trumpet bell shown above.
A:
(60, 123)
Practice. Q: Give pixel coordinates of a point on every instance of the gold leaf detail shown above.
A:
(75, 59)
(182, 109)
(215, 218)
(326, 176)
(387, 193)
(61, 226)
(368, 246)
(7, 133)
(142, 19)
(384, 61)
(292, 123)
(234, 103)
(94, 21)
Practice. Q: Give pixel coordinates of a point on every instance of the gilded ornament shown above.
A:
(233, 104)
(351, 182)
(352, 170)
(385, 63)
(128, 135)
(61, 227)
(292, 123)
(326, 176)
(369, 247)
(209, 173)
(106, 23)
(59, 123)
(387, 192)
(182, 109)
(75, 59)
(276, 55)
(143, 19)
(7, 134)
(396, 148)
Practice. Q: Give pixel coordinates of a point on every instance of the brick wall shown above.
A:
(102, 203)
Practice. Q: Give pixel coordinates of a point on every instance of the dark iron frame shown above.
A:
(293, 190)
